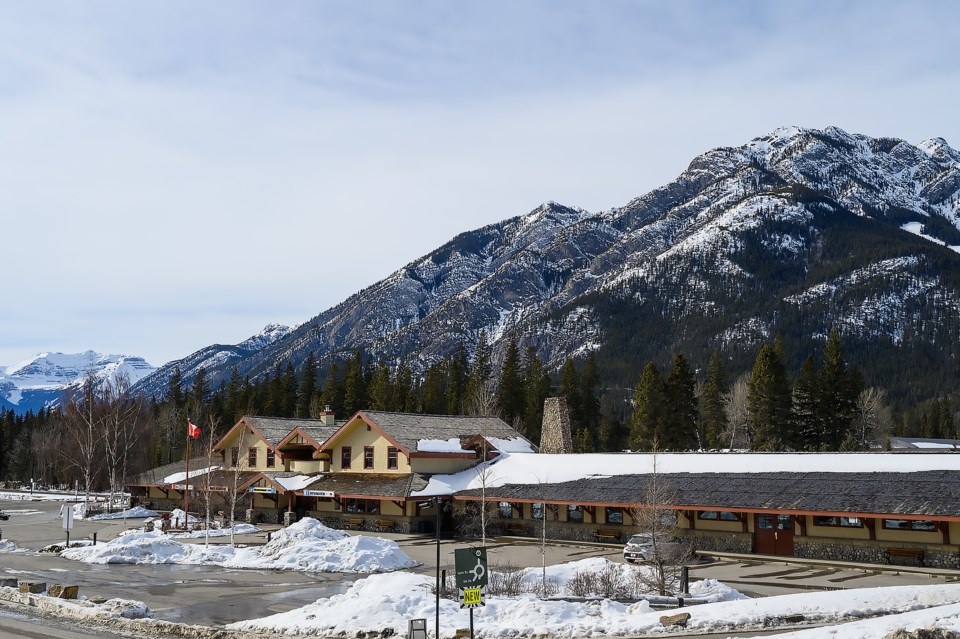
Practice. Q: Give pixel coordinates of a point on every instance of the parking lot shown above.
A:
(213, 595)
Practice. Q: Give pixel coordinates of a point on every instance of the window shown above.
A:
(922, 525)
(345, 457)
(368, 506)
(234, 456)
(392, 458)
(506, 509)
(574, 513)
(843, 522)
(271, 458)
(368, 457)
(252, 457)
(721, 515)
(614, 516)
(536, 511)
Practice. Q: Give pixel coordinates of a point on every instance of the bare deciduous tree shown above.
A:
(81, 423)
(232, 492)
(659, 524)
(738, 413)
(873, 420)
(125, 420)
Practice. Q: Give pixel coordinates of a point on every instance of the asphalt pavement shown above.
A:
(213, 596)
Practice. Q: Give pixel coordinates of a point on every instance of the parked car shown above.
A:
(4, 516)
(640, 547)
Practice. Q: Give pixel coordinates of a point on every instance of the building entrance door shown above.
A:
(773, 534)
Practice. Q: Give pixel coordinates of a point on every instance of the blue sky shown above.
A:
(176, 174)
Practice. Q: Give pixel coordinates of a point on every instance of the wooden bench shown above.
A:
(607, 534)
(905, 553)
(385, 524)
(355, 523)
(517, 529)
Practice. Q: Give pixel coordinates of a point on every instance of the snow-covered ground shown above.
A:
(8, 546)
(388, 601)
(307, 545)
(137, 512)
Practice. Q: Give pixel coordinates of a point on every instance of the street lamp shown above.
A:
(436, 501)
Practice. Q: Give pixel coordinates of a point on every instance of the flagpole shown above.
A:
(186, 493)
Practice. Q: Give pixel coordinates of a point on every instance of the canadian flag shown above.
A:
(193, 431)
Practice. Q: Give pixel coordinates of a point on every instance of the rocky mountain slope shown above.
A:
(41, 381)
(793, 232)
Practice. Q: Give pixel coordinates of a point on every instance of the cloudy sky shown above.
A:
(176, 174)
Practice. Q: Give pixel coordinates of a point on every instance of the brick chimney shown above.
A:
(555, 434)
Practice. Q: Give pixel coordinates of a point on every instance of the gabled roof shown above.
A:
(414, 433)
(316, 432)
(273, 430)
(156, 476)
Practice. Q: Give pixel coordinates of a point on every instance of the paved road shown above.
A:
(214, 596)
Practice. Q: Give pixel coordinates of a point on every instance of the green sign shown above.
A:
(471, 567)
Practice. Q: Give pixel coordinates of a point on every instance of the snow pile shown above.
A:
(307, 545)
(137, 512)
(382, 602)
(238, 529)
(944, 617)
(8, 546)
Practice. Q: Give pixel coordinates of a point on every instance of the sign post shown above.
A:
(472, 577)
(66, 513)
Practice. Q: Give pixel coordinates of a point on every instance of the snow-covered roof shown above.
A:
(549, 469)
(177, 478)
(451, 445)
(431, 433)
(296, 482)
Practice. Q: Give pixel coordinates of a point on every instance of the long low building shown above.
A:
(381, 471)
(869, 507)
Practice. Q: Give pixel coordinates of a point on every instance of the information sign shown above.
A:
(471, 567)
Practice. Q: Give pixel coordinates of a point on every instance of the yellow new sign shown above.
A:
(472, 597)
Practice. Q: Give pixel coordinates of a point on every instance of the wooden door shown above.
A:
(773, 534)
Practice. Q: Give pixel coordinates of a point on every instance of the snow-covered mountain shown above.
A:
(42, 380)
(793, 232)
(217, 357)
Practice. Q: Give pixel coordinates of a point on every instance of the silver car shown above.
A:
(640, 547)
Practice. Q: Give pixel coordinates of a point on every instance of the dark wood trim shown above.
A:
(871, 525)
(944, 529)
(800, 523)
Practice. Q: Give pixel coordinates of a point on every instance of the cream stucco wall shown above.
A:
(443, 465)
(357, 437)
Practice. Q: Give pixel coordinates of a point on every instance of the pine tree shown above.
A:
(231, 408)
(435, 388)
(354, 382)
(838, 394)
(334, 390)
(510, 387)
(459, 379)
(680, 414)
(589, 402)
(536, 388)
(768, 400)
(308, 386)
(713, 415)
(648, 402)
(583, 441)
(807, 428)
(570, 391)
(381, 389)
(480, 368)
(288, 392)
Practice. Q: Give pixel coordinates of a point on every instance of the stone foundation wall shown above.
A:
(719, 541)
(873, 552)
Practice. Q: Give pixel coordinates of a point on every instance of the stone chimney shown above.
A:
(555, 434)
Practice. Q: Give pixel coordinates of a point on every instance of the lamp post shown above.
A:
(437, 620)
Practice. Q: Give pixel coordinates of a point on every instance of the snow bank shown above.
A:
(383, 602)
(238, 529)
(137, 512)
(8, 546)
(946, 617)
(307, 545)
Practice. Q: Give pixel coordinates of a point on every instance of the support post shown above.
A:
(437, 619)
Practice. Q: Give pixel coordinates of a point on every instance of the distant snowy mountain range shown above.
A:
(42, 380)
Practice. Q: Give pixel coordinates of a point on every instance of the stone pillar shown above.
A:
(555, 435)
